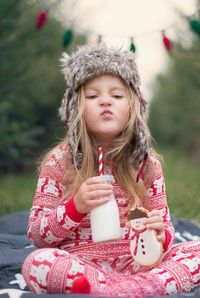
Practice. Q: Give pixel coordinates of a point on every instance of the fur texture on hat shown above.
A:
(91, 61)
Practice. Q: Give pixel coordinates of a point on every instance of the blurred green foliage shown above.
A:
(31, 83)
(174, 114)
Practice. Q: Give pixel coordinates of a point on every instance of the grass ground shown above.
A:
(182, 184)
(16, 192)
(181, 177)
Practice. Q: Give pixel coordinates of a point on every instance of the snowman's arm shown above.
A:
(156, 199)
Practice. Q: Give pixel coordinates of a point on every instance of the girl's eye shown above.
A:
(117, 96)
(91, 96)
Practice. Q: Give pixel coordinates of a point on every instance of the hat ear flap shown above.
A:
(65, 63)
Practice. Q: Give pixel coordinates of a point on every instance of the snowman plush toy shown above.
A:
(145, 248)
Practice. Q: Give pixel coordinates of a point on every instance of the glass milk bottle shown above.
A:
(105, 221)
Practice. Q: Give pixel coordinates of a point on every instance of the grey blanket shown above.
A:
(15, 246)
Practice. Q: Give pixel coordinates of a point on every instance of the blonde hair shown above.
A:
(118, 155)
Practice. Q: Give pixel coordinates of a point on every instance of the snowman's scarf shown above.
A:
(137, 236)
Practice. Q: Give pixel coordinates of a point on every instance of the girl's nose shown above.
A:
(105, 100)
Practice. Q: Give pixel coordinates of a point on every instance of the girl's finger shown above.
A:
(99, 186)
(98, 194)
(161, 238)
(154, 219)
(153, 213)
(155, 226)
(95, 180)
(97, 202)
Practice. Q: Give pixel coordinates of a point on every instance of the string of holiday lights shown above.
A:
(68, 35)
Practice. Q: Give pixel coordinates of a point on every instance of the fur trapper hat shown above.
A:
(91, 61)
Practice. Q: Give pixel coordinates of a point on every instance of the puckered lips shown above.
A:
(106, 114)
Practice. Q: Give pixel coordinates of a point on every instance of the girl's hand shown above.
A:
(155, 222)
(92, 193)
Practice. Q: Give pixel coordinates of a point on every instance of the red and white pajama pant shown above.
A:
(52, 270)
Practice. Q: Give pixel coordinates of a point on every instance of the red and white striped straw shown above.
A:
(100, 161)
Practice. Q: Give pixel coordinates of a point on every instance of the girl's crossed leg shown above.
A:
(54, 271)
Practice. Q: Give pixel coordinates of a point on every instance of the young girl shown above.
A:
(103, 106)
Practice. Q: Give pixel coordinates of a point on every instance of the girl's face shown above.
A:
(107, 107)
